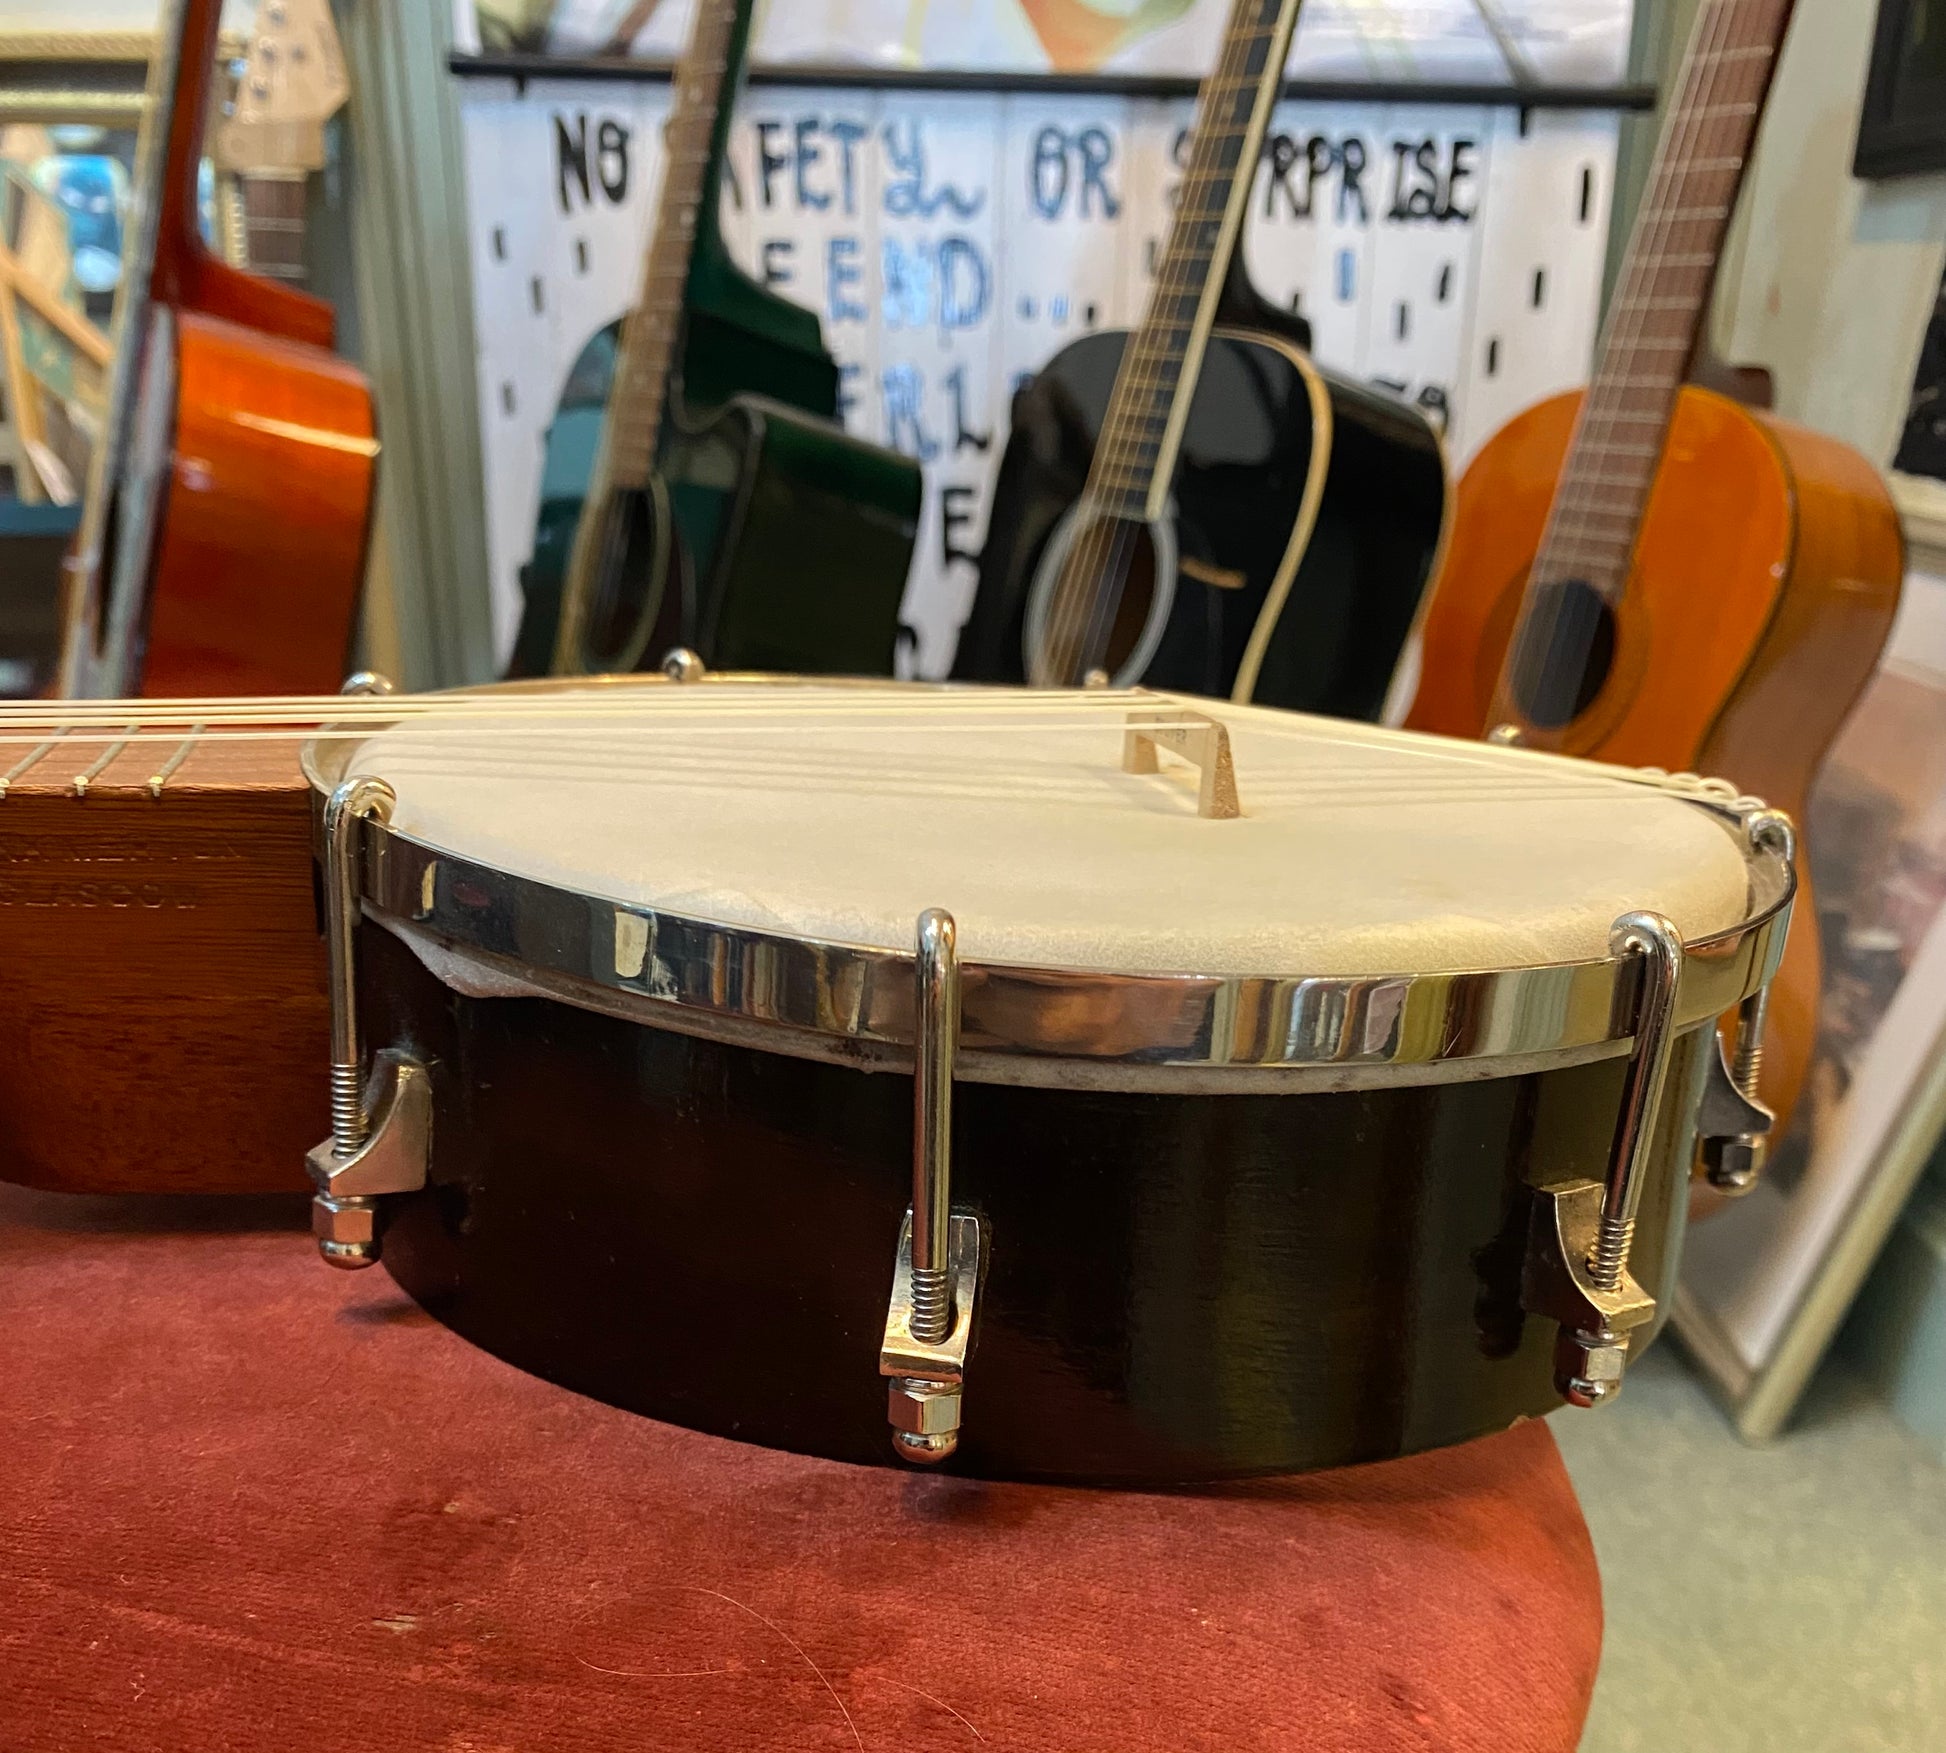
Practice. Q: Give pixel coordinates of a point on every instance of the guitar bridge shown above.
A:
(1217, 577)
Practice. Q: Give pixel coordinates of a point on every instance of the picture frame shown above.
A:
(1902, 128)
(73, 76)
(1767, 1283)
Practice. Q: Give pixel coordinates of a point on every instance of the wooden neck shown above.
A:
(1135, 457)
(1662, 295)
(694, 142)
(273, 223)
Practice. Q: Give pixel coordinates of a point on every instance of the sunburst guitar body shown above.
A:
(1765, 577)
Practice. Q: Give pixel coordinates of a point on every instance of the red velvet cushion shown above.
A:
(247, 1503)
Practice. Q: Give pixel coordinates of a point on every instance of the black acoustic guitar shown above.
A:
(1197, 505)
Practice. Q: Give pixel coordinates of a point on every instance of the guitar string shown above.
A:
(1178, 272)
(1103, 604)
(1616, 354)
(639, 387)
(1091, 588)
(1714, 132)
(1715, 34)
(1078, 576)
(1741, 39)
(1091, 574)
(698, 99)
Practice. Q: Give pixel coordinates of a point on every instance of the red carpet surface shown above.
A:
(249, 1505)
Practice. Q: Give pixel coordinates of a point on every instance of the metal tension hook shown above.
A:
(936, 1273)
(1733, 1120)
(1583, 1231)
(381, 1130)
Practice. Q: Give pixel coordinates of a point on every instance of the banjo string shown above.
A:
(570, 738)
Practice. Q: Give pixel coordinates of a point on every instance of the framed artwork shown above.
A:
(1922, 446)
(1902, 131)
(1766, 1283)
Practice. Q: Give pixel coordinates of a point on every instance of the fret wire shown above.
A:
(636, 399)
(1150, 377)
(28, 760)
(83, 780)
(167, 771)
(1659, 305)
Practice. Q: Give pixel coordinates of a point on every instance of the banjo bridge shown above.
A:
(1196, 738)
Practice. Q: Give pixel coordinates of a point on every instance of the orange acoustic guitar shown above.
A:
(1647, 572)
(223, 546)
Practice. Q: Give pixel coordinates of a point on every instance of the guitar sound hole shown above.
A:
(628, 585)
(1563, 659)
(1102, 602)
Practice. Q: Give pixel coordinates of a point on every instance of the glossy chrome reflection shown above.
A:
(936, 1272)
(1020, 1024)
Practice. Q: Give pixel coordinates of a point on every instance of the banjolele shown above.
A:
(223, 546)
(599, 1057)
(1648, 573)
(1197, 505)
(716, 503)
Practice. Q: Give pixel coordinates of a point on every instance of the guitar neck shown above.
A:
(273, 224)
(706, 79)
(1662, 295)
(1135, 457)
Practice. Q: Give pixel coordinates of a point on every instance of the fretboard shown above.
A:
(1662, 295)
(273, 224)
(650, 331)
(1135, 456)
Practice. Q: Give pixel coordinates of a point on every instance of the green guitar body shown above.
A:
(793, 537)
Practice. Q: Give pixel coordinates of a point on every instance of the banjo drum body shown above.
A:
(1098, 1086)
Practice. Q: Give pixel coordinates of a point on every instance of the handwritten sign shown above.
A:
(952, 243)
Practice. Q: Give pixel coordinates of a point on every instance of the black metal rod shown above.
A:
(523, 67)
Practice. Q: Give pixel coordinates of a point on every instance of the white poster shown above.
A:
(952, 243)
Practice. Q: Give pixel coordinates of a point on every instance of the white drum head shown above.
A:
(837, 813)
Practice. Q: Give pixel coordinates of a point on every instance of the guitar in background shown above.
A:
(697, 489)
(267, 148)
(1649, 573)
(1197, 505)
(222, 549)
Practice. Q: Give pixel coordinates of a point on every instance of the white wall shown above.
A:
(1830, 281)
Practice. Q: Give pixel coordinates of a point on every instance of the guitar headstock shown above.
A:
(293, 82)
